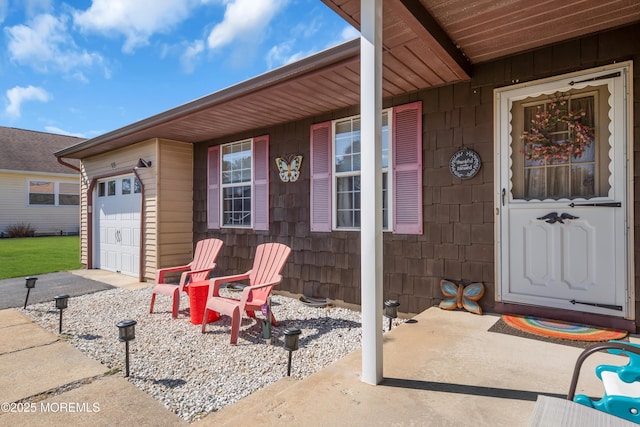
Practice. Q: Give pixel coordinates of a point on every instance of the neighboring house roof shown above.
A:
(426, 43)
(31, 151)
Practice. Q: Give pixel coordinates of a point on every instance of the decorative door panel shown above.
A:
(572, 260)
(562, 200)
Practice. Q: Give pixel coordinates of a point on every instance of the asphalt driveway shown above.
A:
(13, 291)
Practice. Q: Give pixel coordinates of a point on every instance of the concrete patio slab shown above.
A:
(11, 317)
(444, 370)
(22, 336)
(38, 369)
(113, 279)
(107, 401)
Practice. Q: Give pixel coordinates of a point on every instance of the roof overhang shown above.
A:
(426, 43)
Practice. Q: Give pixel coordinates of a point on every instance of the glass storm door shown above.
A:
(562, 195)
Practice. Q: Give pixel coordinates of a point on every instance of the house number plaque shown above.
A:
(465, 163)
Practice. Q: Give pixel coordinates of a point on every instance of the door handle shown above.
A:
(553, 217)
(598, 205)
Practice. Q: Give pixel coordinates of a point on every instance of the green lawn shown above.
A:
(37, 255)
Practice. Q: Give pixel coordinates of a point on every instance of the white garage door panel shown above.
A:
(117, 216)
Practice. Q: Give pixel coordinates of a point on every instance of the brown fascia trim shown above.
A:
(425, 25)
(340, 53)
(419, 19)
(69, 165)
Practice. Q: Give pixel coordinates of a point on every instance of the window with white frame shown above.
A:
(238, 184)
(335, 172)
(52, 193)
(346, 148)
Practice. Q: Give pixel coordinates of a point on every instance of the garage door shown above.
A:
(117, 216)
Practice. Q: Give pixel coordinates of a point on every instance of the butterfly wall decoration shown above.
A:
(461, 296)
(289, 167)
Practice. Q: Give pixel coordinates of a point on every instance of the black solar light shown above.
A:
(61, 304)
(391, 310)
(126, 332)
(291, 337)
(31, 283)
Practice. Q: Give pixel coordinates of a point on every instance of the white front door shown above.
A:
(117, 216)
(562, 200)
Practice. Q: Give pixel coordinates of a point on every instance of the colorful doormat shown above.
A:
(562, 330)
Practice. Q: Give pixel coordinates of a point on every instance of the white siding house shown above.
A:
(36, 190)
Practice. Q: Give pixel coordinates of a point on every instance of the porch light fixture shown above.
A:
(391, 310)
(291, 338)
(61, 303)
(142, 163)
(30, 284)
(126, 332)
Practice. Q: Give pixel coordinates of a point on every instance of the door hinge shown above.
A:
(594, 304)
(597, 205)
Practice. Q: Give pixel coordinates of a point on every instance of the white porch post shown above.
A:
(371, 188)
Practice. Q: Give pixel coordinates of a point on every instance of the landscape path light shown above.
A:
(291, 338)
(30, 284)
(391, 310)
(61, 303)
(126, 332)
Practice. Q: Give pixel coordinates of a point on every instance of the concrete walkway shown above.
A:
(445, 369)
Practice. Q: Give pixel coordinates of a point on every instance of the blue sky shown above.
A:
(86, 67)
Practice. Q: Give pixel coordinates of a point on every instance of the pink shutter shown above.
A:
(213, 188)
(321, 177)
(261, 183)
(407, 169)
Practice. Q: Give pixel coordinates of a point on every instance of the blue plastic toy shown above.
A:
(621, 397)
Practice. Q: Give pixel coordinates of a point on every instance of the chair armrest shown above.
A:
(246, 292)
(187, 274)
(214, 283)
(161, 272)
(262, 285)
(201, 271)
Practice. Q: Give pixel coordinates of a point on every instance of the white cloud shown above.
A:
(243, 20)
(58, 131)
(18, 95)
(34, 7)
(136, 20)
(282, 54)
(190, 56)
(349, 33)
(45, 45)
(4, 6)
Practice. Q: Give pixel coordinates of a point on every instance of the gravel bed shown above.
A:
(194, 374)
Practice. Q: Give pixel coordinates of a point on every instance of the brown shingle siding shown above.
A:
(459, 215)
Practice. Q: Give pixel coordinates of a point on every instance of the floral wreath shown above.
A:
(538, 141)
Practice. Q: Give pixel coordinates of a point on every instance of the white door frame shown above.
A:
(623, 153)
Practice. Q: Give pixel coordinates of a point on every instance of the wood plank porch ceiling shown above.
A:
(427, 43)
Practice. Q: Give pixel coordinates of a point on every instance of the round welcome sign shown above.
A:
(465, 163)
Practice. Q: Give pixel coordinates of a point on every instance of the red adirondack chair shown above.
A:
(268, 262)
(204, 260)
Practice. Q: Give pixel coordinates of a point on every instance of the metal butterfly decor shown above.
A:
(461, 296)
(289, 167)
